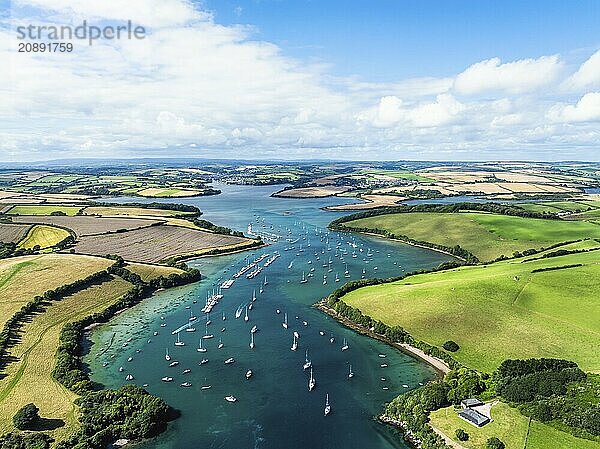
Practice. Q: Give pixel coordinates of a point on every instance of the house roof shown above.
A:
(474, 417)
(471, 402)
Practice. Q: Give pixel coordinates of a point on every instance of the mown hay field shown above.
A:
(89, 225)
(156, 243)
(12, 232)
(22, 278)
(43, 209)
(29, 379)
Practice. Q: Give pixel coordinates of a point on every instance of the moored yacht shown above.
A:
(311, 382)
(327, 406)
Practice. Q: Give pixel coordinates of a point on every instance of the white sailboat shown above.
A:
(350, 373)
(251, 340)
(179, 342)
(248, 374)
(254, 329)
(200, 348)
(246, 317)
(238, 312)
(311, 382)
(327, 406)
(307, 362)
(253, 295)
(337, 278)
(331, 339)
(265, 281)
(303, 280)
(294, 343)
(285, 321)
(167, 356)
(345, 345)
(220, 345)
(224, 317)
(206, 334)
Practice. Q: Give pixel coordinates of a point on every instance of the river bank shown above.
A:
(439, 365)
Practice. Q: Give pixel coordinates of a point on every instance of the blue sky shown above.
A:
(300, 79)
(386, 40)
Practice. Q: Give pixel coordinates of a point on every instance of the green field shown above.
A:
(499, 311)
(148, 272)
(30, 378)
(43, 209)
(561, 206)
(487, 236)
(22, 278)
(511, 427)
(400, 174)
(43, 235)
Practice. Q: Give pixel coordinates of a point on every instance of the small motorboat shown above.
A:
(229, 361)
(230, 398)
(248, 374)
(186, 384)
(167, 379)
(203, 361)
(173, 363)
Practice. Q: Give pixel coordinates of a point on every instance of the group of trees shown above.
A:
(10, 249)
(548, 389)
(107, 415)
(205, 224)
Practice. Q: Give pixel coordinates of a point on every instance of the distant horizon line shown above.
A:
(68, 161)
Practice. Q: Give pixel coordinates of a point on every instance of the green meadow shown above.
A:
(499, 311)
(485, 235)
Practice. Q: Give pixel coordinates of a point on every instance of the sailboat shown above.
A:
(254, 329)
(253, 295)
(350, 373)
(311, 382)
(294, 343)
(192, 317)
(238, 312)
(303, 280)
(167, 356)
(129, 377)
(327, 406)
(324, 279)
(248, 374)
(246, 317)
(337, 278)
(363, 273)
(206, 334)
(200, 348)
(220, 345)
(251, 340)
(331, 339)
(285, 323)
(307, 362)
(208, 321)
(346, 272)
(345, 345)
(265, 281)
(190, 328)
(224, 317)
(179, 342)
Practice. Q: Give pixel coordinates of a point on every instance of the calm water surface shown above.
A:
(274, 410)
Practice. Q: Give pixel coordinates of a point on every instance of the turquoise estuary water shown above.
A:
(274, 408)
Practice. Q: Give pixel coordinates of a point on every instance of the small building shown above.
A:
(471, 402)
(474, 417)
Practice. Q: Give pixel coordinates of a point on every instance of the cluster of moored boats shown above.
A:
(332, 251)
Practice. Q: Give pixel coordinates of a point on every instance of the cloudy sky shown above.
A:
(299, 79)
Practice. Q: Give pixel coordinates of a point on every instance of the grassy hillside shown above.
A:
(30, 378)
(22, 278)
(512, 428)
(148, 272)
(43, 235)
(485, 235)
(498, 311)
